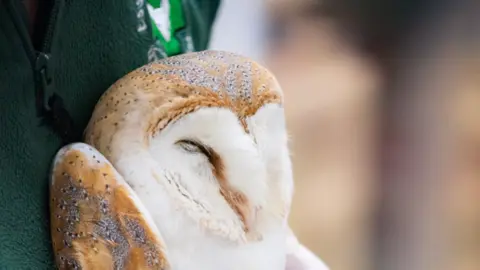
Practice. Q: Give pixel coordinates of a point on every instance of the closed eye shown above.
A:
(193, 146)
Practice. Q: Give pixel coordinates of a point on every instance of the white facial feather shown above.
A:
(268, 127)
(224, 214)
(220, 130)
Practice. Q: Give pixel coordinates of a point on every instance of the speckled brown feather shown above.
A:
(160, 94)
(95, 223)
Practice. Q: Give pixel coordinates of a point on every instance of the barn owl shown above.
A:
(184, 166)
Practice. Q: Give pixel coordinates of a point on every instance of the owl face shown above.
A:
(236, 175)
(208, 129)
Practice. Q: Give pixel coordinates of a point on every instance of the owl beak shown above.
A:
(251, 217)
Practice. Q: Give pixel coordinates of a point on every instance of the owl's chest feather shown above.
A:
(202, 250)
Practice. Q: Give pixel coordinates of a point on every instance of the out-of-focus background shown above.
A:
(383, 107)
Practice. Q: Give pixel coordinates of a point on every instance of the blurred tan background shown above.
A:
(383, 108)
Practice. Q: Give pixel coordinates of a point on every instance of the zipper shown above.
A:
(43, 81)
(55, 15)
(52, 111)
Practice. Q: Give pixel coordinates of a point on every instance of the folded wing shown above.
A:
(97, 221)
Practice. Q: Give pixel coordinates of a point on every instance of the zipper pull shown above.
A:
(44, 82)
(54, 115)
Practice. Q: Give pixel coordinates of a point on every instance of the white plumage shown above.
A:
(201, 140)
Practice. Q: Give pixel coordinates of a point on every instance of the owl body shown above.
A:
(191, 248)
(200, 141)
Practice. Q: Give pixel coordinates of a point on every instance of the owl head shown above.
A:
(204, 133)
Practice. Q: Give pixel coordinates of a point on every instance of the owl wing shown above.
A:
(97, 221)
(299, 257)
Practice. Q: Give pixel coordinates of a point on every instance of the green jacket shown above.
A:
(86, 47)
